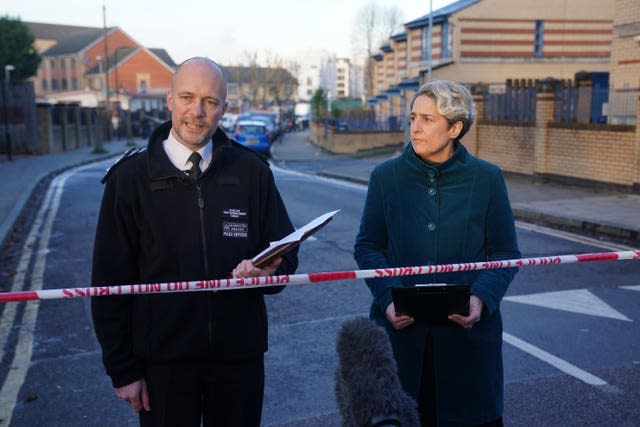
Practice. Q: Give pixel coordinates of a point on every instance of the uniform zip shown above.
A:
(204, 238)
(206, 261)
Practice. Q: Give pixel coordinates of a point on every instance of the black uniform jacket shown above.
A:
(157, 225)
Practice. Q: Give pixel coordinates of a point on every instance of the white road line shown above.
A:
(552, 360)
(580, 301)
(573, 237)
(9, 312)
(333, 181)
(22, 356)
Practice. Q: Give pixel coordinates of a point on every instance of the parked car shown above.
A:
(253, 134)
(269, 118)
(227, 123)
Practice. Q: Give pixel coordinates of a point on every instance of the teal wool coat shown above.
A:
(421, 214)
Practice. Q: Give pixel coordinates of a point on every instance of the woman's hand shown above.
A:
(398, 321)
(475, 311)
(247, 269)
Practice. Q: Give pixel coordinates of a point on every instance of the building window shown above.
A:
(445, 40)
(142, 82)
(45, 85)
(74, 83)
(52, 64)
(64, 84)
(425, 43)
(232, 89)
(538, 43)
(54, 84)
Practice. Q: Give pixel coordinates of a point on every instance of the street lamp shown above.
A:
(5, 87)
(106, 98)
(7, 72)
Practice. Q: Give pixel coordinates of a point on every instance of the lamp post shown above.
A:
(430, 41)
(5, 87)
(99, 139)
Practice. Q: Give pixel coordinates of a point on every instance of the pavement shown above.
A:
(20, 177)
(606, 213)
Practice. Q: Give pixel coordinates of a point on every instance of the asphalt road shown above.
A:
(571, 352)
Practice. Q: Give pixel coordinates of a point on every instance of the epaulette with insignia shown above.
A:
(130, 152)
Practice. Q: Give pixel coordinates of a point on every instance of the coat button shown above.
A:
(431, 191)
(431, 174)
(431, 226)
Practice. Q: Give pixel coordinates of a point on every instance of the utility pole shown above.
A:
(106, 72)
(6, 88)
(429, 41)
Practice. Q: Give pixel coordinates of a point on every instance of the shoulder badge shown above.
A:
(129, 153)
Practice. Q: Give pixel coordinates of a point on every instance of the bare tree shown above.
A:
(392, 20)
(363, 38)
(373, 25)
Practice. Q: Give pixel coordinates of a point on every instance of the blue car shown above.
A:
(253, 134)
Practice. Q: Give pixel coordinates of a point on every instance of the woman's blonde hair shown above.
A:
(453, 101)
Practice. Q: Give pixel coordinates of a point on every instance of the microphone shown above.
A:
(368, 391)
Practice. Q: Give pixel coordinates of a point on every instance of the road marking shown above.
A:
(10, 309)
(631, 288)
(552, 360)
(576, 301)
(314, 177)
(22, 355)
(573, 237)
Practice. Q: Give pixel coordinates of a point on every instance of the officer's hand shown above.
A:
(247, 269)
(136, 394)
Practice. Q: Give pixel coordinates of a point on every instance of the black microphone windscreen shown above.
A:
(368, 391)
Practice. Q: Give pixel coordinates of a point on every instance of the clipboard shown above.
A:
(432, 303)
(292, 240)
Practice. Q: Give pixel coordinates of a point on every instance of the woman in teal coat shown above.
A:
(438, 204)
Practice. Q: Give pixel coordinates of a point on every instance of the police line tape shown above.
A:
(299, 279)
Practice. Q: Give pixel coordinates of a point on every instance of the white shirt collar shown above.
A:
(179, 154)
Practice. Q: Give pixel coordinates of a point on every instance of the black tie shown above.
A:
(195, 172)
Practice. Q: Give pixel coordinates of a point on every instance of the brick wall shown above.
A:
(512, 146)
(351, 142)
(602, 156)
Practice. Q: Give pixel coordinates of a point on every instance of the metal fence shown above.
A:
(595, 105)
(365, 121)
(514, 105)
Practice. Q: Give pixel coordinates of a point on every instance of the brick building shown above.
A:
(74, 65)
(486, 42)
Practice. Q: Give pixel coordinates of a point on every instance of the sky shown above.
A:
(224, 30)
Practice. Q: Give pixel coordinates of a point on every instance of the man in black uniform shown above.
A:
(193, 205)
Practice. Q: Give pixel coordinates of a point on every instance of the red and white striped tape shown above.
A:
(299, 279)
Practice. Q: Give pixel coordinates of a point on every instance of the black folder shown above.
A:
(432, 303)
